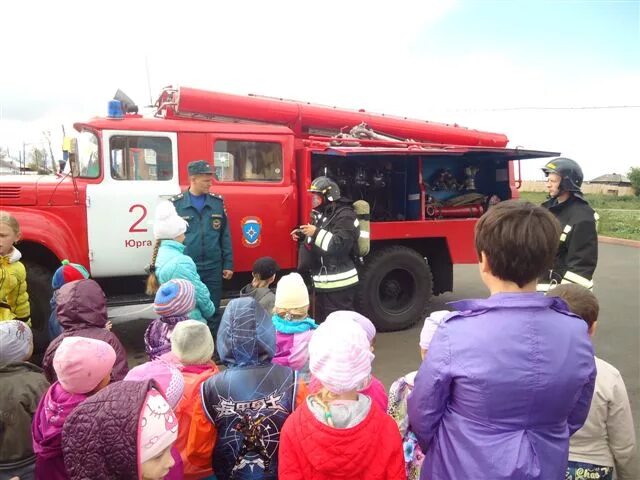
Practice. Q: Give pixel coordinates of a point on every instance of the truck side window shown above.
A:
(242, 161)
(141, 158)
(88, 163)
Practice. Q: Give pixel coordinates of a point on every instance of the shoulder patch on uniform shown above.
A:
(177, 197)
(215, 195)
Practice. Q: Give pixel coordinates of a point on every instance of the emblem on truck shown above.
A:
(251, 230)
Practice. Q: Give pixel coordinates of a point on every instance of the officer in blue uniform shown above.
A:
(208, 237)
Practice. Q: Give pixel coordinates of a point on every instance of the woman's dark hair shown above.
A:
(519, 239)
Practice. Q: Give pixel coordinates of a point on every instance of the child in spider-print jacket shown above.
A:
(251, 398)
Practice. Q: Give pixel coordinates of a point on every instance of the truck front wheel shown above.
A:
(395, 288)
(39, 289)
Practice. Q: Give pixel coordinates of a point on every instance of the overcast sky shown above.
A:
(524, 68)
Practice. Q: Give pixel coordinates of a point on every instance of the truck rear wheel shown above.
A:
(40, 291)
(395, 288)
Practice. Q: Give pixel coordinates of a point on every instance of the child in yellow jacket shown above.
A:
(14, 300)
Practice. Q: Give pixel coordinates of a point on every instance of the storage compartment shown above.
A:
(463, 187)
(453, 185)
(390, 183)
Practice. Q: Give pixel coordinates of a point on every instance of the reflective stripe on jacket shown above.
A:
(578, 249)
(334, 241)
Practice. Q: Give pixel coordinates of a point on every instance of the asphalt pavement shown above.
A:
(617, 340)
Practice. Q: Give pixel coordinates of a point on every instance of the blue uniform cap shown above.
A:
(199, 167)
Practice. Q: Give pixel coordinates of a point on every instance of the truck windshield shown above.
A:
(88, 157)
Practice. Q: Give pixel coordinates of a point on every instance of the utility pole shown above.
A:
(146, 64)
(47, 136)
(24, 157)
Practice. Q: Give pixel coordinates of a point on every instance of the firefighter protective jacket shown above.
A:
(578, 251)
(333, 244)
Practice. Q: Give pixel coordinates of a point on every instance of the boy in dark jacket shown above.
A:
(82, 312)
(23, 384)
(237, 425)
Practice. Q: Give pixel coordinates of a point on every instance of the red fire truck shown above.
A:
(426, 184)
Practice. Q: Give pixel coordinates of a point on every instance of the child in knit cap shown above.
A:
(171, 384)
(336, 433)
(174, 300)
(22, 386)
(374, 388)
(67, 272)
(170, 262)
(293, 325)
(125, 431)
(192, 348)
(400, 390)
(237, 423)
(83, 367)
(264, 274)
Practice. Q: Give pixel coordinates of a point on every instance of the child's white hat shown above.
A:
(431, 324)
(168, 224)
(191, 342)
(291, 292)
(340, 355)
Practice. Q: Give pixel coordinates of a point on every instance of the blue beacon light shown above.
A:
(115, 109)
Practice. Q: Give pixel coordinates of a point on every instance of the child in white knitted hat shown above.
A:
(192, 347)
(337, 433)
(293, 325)
(398, 394)
(374, 388)
(169, 261)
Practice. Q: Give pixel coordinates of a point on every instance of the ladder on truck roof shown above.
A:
(307, 119)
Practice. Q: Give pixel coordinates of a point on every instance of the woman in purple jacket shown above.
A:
(507, 379)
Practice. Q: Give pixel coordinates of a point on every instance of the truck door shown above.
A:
(255, 175)
(140, 168)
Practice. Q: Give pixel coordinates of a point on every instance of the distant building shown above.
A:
(612, 179)
(610, 184)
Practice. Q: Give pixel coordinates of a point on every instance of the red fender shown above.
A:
(61, 230)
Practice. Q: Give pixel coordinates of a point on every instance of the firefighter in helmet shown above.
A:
(578, 250)
(330, 240)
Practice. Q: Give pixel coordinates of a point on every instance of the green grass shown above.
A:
(619, 216)
(620, 224)
(596, 200)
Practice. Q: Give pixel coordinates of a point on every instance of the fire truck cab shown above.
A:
(426, 184)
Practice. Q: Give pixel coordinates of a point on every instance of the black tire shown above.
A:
(395, 288)
(40, 291)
